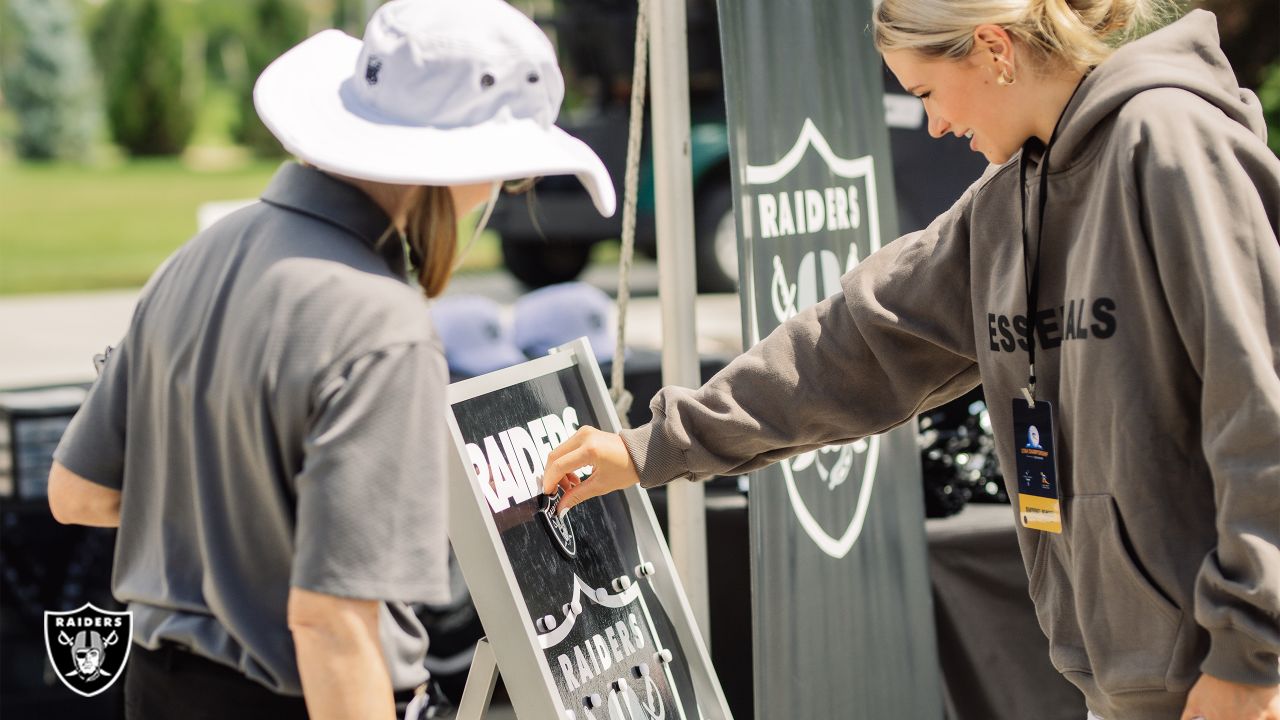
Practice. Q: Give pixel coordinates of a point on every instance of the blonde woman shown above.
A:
(269, 436)
(1112, 279)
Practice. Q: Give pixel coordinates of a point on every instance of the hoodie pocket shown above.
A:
(1050, 586)
(1128, 626)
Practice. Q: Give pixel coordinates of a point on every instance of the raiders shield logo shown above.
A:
(817, 213)
(830, 491)
(559, 528)
(88, 647)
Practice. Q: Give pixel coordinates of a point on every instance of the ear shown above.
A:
(992, 45)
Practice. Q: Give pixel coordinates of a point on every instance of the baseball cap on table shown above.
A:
(476, 341)
(440, 92)
(557, 314)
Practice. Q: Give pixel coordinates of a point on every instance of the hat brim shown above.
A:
(299, 98)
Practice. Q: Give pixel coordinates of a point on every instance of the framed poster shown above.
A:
(586, 616)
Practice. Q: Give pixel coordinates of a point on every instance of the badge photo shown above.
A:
(1039, 502)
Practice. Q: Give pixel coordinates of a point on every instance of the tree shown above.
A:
(48, 83)
(276, 26)
(350, 16)
(141, 53)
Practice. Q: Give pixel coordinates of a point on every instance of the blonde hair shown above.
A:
(1077, 34)
(431, 229)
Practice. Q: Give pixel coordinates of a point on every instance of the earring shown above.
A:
(1006, 76)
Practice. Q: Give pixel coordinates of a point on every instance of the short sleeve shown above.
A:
(93, 444)
(371, 520)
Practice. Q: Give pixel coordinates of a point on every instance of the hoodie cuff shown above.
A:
(1236, 657)
(657, 459)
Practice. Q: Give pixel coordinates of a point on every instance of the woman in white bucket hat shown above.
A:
(443, 94)
(269, 435)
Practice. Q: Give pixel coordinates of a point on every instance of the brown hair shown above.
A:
(431, 230)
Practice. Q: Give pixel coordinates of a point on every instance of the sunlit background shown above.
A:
(119, 118)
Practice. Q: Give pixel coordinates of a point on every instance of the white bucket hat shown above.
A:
(441, 92)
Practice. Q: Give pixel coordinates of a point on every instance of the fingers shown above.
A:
(560, 463)
(564, 470)
(611, 467)
(581, 493)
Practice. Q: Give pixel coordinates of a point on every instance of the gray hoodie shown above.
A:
(1158, 344)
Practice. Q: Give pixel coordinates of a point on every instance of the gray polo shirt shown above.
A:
(274, 417)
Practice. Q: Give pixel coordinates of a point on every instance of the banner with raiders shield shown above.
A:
(843, 619)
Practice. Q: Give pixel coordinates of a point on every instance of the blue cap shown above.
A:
(476, 341)
(557, 314)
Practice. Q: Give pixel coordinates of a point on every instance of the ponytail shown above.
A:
(431, 229)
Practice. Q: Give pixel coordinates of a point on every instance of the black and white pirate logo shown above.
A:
(559, 528)
(88, 647)
(817, 214)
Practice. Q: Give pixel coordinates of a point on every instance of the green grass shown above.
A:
(65, 228)
(74, 228)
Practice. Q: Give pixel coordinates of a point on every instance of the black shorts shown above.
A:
(172, 682)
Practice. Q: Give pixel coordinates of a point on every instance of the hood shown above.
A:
(1184, 54)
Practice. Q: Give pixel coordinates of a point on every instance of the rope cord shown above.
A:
(631, 182)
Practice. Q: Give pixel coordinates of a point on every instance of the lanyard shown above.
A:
(1032, 275)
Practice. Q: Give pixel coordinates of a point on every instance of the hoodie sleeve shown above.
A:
(1210, 193)
(897, 339)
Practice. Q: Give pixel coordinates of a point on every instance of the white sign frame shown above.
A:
(492, 582)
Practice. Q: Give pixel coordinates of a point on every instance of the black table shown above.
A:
(994, 657)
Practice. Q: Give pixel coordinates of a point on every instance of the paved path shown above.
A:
(51, 339)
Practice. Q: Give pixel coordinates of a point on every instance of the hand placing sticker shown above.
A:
(604, 452)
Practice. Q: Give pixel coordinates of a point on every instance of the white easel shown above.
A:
(481, 680)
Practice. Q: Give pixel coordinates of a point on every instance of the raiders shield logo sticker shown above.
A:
(88, 647)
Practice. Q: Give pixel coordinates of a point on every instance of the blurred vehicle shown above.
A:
(547, 235)
(958, 456)
(44, 566)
